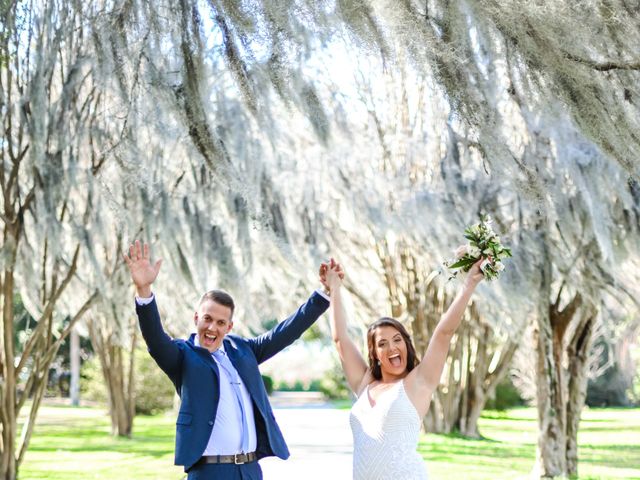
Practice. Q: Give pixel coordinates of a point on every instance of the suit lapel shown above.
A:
(205, 356)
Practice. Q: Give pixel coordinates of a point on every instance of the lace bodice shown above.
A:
(385, 437)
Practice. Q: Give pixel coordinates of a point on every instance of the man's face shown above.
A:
(213, 322)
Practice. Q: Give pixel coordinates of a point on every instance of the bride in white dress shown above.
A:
(393, 388)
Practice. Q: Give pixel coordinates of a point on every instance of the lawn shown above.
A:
(74, 443)
(609, 447)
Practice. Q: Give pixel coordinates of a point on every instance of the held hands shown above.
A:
(143, 273)
(331, 275)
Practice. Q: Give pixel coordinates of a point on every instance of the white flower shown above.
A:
(473, 251)
(480, 234)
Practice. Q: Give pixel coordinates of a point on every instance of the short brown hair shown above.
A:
(412, 358)
(219, 296)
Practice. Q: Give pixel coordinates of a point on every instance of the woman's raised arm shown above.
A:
(354, 366)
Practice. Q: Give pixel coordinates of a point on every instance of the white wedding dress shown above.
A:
(385, 437)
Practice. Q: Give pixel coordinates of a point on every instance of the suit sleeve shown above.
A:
(161, 346)
(289, 330)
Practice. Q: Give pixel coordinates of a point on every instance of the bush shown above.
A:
(506, 396)
(154, 391)
(611, 389)
(268, 384)
(92, 385)
(297, 386)
(334, 384)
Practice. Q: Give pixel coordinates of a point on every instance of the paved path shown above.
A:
(319, 439)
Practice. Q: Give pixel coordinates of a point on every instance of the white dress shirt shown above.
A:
(226, 436)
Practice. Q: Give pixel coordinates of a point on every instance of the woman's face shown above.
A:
(391, 350)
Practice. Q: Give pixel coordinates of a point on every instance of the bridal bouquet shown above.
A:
(483, 243)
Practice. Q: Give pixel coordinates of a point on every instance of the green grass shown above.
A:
(74, 443)
(609, 447)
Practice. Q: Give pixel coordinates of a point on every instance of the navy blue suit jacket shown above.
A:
(196, 378)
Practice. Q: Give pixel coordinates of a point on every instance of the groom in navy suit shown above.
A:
(225, 424)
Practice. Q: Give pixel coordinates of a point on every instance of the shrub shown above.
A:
(268, 384)
(506, 396)
(154, 390)
(92, 385)
(334, 385)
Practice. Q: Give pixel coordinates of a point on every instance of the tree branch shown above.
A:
(603, 66)
(48, 310)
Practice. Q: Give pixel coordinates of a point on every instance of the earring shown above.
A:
(378, 362)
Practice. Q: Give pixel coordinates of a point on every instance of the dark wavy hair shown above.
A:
(412, 358)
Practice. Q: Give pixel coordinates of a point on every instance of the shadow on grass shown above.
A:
(94, 435)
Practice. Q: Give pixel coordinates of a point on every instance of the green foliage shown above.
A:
(334, 385)
(154, 390)
(506, 396)
(92, 384)
(268, 384)
(297, 386)
(313, 334)
(634, 393)
(611, 389)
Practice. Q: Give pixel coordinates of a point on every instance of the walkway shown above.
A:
(319, 439)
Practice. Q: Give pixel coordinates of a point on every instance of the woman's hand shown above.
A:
(331, 274)
(335, 275)
(475, 275)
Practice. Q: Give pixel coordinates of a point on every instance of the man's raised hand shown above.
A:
(143, 273)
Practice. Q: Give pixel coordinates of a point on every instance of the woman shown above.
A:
(394, 390)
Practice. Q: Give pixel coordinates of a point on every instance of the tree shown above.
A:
(47, 96)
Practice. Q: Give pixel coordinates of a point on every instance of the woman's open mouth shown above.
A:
(395, 360)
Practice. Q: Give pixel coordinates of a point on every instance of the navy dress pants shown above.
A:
(226, 471)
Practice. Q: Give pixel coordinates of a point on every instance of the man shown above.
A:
(225, 424)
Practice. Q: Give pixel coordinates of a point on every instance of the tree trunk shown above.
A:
(118, 378)
(8, 467)
(560, 393)
(550, 457)
(578, 365)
